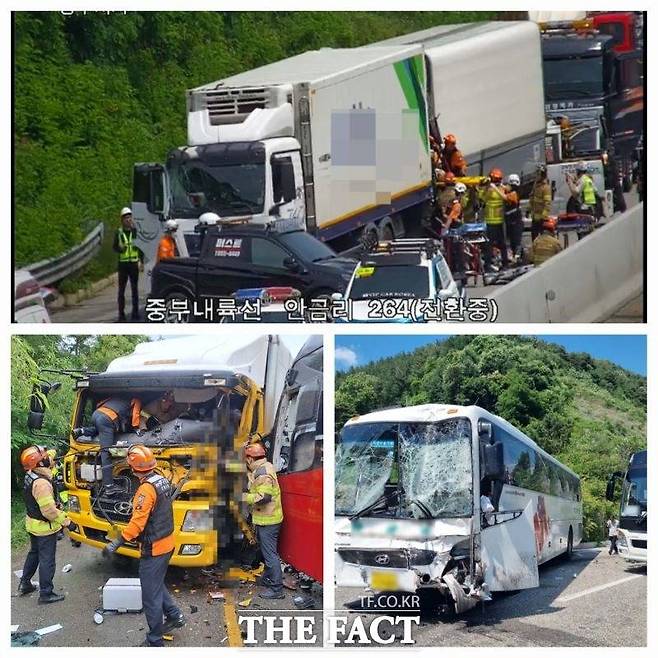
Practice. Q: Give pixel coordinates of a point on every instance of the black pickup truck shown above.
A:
(251, 256)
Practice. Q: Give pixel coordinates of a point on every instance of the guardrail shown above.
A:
(588, 282)
(49, 271)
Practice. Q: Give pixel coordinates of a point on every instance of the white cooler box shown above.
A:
(122, 595)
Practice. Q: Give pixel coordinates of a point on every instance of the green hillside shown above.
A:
(589, 413)
(96, 92)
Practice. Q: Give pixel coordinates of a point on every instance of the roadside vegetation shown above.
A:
(96, 92)
(589, 413)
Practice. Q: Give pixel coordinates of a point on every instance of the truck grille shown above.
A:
(115, 509)
(234, 105)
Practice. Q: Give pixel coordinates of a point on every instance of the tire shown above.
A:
(569, 552)
(387, 233)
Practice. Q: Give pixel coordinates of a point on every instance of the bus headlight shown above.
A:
(73, 504)
(197, 521)
(190, 549)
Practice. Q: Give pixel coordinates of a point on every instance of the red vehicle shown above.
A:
(296, 445)
(625, 27)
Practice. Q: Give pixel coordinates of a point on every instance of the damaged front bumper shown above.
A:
(388, 565)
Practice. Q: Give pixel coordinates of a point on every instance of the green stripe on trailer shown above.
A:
(411, 75)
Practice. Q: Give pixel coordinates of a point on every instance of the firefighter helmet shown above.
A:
(549, 224)
(514, 179)
(496, 174)
(460, 188)
(140, 458)
(450, 139)
(35, 456)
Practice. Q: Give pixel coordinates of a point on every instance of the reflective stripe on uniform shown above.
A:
(271, 512)
(129, 253)
(588, 192)
(494, 207)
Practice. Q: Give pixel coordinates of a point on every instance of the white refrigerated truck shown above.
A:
(337, 140)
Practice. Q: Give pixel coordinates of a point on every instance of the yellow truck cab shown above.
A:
(224, 392)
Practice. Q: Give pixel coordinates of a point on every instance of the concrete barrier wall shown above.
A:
(588, 282)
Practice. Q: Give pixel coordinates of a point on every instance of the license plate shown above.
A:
(384, 581)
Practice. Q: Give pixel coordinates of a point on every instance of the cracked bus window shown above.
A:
(364, 465)
(407, 470)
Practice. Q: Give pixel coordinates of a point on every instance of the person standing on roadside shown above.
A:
(131, 262)
(613, 526)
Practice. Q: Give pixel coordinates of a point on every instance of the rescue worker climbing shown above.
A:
(513, 217)
(540, 200)
(110, 416)
(582, 190)
(492, 195)
(167, 246)
(546, 245)
(131, 261)
(43, 520)
(455, 220)
(264, 498)
(452, 157)
(152, 526)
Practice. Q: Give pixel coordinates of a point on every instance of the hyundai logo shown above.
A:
(123, 507)
(382, 559)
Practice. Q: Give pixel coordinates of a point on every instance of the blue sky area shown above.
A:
(629, 352)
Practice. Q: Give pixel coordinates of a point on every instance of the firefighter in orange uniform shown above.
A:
(167, 245)
(453, 157)
(152, 525)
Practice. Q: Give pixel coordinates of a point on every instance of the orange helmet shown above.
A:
(255, 450)
(496, 174)
(450, 139)
(449, 178)
(35, 456)
(549, 223)
(140, 458)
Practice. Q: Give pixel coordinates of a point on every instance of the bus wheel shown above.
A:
(569, 552)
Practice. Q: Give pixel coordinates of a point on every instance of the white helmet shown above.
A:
(171, 225)
(126, 211)
(460, 188)
(581, 166)
(514, 179)
(209, 218)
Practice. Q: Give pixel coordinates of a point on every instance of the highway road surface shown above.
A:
(591, 600)
(210, 623)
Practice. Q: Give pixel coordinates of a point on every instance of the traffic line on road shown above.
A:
(598, 588)
(231, 620)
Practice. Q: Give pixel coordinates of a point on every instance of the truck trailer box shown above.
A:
(359, 115)
(486, 87)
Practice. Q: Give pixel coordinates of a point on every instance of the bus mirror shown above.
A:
(34, 421)
(494, 464)
(485, 430)
(610, 487)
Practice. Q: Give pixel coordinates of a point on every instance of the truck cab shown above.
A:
(217, 403)
(599, 90)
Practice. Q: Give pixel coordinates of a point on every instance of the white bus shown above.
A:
(632, 531)
(408, 488)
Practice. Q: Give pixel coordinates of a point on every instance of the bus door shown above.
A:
(508, 549)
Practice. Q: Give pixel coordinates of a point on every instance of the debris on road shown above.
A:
(66, 568)
(49, 629)
(215, 596)
(246, 603)
(193, 609)
(25, 639)
(14, 627)
(169, 638)
(303, 601)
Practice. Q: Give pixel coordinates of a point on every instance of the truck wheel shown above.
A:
(177, 298)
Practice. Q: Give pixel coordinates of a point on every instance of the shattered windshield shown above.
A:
(427, 466)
